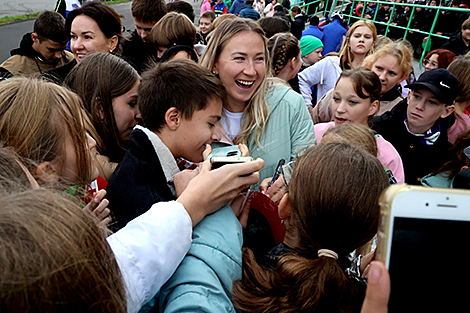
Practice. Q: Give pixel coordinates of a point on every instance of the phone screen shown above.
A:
(429, 265)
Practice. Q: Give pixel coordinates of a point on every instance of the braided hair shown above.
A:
(282, 47)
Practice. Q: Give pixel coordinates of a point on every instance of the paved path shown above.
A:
(21, 7)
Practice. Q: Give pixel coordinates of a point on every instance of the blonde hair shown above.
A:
(256, 112)
(399, 49)
(173, 28)
(354, 134)
(345, 55)
(218, 20)
(35, 117)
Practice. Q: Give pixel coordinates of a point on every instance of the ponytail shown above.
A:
(297, 284)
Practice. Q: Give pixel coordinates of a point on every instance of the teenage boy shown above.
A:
(41, 50)
(417, 126)
(180, 116)
(138, 50)
(173, 29)
(205, 27)
(249, 12)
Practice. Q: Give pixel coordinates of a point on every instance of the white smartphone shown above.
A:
(424, 240)
(217, 162)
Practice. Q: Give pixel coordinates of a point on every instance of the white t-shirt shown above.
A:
(231, 122)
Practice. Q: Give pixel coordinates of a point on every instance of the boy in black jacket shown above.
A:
(417, 126)
(138, 50)
(180, 116)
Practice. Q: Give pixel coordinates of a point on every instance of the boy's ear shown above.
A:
(34, 37)
(449, 109)
(284, 207)
(173, 118)
(47, 172)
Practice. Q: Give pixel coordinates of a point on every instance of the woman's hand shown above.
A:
(277, 190)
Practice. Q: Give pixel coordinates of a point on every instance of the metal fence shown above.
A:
(326, 7)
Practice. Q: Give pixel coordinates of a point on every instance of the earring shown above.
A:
(214, 72)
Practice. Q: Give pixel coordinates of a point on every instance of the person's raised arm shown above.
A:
(210, 190)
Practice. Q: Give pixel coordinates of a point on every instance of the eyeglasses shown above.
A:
(433, 64)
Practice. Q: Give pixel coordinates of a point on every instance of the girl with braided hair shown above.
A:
(284, 50)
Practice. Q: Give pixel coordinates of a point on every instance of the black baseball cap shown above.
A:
(441, 82)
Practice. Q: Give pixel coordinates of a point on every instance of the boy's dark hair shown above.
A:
(314, 20)
(180, 83)
(182, 7)
(248, 2)
(278, 8)
(148, 11)
(51, 25)
(466, 24)
(208, 14)
(273, 25)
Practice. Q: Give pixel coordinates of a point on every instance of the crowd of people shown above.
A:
(109, 201)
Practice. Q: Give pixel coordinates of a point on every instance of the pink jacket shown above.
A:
(206, 6)
(387, 154)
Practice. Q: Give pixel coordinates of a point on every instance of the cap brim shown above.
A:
(441, 96)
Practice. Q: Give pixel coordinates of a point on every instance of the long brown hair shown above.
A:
(333, 193)
(98, 79)
(35, 117)
(54, 258)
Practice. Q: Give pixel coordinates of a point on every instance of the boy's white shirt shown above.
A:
(149, 249)
(167, 160)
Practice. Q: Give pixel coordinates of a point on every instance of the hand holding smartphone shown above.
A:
(423, 239)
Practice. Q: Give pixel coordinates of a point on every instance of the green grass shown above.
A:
(10, 19)
(116, 1)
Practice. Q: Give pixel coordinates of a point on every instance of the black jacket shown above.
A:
(298, 25)
(456, 45)
(138, 53)
(138, 182)
(58, 74)
(418, 158)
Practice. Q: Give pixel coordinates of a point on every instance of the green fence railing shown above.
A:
(326, 7)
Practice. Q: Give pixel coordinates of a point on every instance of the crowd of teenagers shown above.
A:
(108, 198)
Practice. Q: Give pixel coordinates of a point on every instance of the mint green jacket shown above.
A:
(289, 130)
